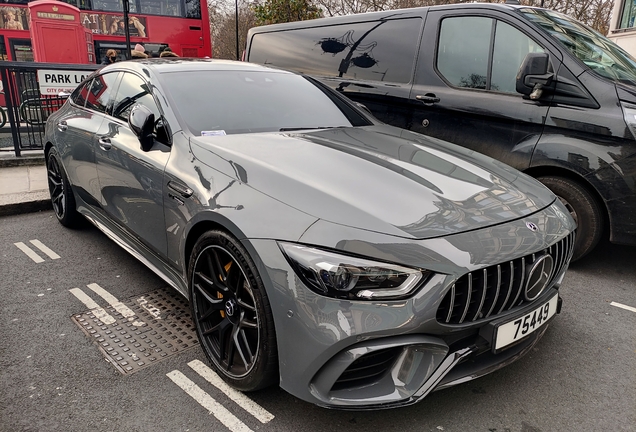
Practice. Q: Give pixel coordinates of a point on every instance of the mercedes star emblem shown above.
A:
(538, 277)
(532, 227)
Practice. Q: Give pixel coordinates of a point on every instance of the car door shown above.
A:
(130, 178)
(74, 132)
(464, 89)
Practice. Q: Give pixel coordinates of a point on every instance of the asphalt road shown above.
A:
(580, 377)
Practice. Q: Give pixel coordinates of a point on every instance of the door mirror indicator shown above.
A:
(142, 123)
(534, 75)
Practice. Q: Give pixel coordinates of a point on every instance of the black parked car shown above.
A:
(528, 86)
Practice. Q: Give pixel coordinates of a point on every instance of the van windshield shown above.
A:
(595, 50)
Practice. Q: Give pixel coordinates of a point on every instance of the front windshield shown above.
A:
(597, 52)
(225, 102)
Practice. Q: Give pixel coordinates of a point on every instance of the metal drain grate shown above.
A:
(160, 327)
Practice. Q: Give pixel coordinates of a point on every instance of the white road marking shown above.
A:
(622, 306)
(152, 310)
(241, 400)
(29, 252)
(38, 244)
(124, 310)
(221, 413)
(99, 313)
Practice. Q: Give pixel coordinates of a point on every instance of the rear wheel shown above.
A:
(585, 211)
(232, 313)
(60, 189)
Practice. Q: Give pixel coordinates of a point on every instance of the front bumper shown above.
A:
(382, 354)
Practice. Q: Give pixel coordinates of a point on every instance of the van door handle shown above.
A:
(184, 191)
(104, 143)
(62, 126)
(427, 98)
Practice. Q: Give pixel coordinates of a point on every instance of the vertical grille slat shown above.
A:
(519, 285)
(483, 295)
(497, 290)
(452, 304)
(500, 288)
(512, 281)
(469, 293)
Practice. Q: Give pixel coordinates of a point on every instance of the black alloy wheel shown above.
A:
(61, 194)
(231, 312)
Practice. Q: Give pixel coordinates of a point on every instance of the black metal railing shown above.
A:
(26, 110)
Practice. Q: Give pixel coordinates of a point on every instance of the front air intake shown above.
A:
(367, 369)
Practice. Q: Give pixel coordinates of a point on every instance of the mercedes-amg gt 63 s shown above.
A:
(355, 264)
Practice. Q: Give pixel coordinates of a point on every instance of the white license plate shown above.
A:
(523, 326)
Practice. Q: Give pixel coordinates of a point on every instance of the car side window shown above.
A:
(133, 90)
(81, 93)
(464, 54)
(99, 98)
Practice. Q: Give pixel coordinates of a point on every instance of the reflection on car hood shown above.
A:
(377, 178)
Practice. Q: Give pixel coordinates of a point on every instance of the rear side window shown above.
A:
(102, 91)
(81, 93)
(465, 57)
(375, 51)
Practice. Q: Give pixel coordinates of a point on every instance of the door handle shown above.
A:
(184, 191)
(428, 98)
(104, 143)
(62, 126)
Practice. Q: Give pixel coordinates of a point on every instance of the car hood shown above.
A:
(377, 178)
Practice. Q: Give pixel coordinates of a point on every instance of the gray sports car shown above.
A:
(356, 264)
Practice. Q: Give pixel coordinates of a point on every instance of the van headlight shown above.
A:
(629, 114)
(345, 277)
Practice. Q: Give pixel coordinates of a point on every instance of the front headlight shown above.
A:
(346, 277)
(629, 114)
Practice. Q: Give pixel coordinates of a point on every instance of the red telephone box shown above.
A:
(57, 34)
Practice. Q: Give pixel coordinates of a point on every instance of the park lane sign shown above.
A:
(53, 82)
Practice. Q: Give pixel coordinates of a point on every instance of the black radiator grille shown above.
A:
(490, 291)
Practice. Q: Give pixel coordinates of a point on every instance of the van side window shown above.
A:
(464, 53)
(382, 50)
(511, 47)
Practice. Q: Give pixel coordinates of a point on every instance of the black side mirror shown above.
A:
(534, 75)
(142, 123)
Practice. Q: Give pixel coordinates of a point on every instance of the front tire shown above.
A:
(62, 196)
(231, 312)
(585, 211)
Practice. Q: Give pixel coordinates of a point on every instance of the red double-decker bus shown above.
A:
(182, 25)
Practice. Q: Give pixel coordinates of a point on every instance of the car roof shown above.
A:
(185, 64)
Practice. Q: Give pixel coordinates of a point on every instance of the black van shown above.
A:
(528, 86)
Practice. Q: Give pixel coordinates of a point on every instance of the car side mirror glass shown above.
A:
(534, 75)
(142, 123)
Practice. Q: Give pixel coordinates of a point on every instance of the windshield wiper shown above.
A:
(287, 129)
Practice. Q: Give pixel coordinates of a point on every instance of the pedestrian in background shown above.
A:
(139, 52)
(111, 57)
(167, 52)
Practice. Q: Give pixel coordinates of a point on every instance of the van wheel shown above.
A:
(585, 211)
(231, 312)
